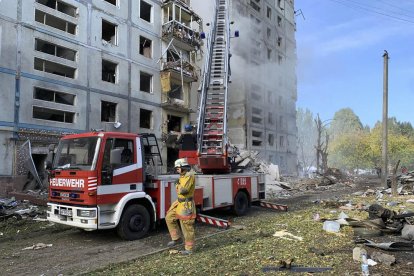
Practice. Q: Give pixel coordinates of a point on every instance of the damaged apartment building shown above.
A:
(263, 90)
(69, 66)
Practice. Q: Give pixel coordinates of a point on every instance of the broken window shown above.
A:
(174, 123)
(53, 96)
(269, 33)
(257, 115)
(271, 139)
(55, 22)
(109, 32)
(113, 2)
(279, 21)
(55, 50)
(53, 114)
(269, 54)
(109, 71)
(255, 4)
(256, 138)
(59, 6)
(145, 47)
(145, 82)
(176, 91)
(172, 56)
(145, 118)
(279, 41)
(54, 68)
(145, 11)
(108, 111)
(269, 13)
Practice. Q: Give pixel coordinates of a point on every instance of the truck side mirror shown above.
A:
(48, 165)
(115, 157)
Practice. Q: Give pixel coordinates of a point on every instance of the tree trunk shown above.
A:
(394, 180)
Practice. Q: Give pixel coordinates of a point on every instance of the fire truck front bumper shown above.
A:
(81, 217)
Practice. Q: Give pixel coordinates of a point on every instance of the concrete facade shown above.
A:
(263, 92)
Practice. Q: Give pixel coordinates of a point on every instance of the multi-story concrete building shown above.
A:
(263, 91)
(70, 66)
(73, 65)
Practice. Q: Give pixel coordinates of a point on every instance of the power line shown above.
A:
(356, 6)
(377, 8)
(396, 7)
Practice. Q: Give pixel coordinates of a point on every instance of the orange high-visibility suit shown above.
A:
(183, 209)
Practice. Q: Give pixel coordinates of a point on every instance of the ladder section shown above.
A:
(213, 134)
(151, 149)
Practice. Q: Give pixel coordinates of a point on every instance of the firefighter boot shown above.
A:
(186, 252)
(174, 243)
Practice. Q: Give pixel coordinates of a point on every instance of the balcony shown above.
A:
(182, 24)
(180, 68)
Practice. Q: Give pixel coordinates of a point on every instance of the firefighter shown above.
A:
(183, 209)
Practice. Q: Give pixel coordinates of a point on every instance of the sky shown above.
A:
(340, 44)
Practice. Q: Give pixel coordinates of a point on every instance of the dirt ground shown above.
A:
(74, 252)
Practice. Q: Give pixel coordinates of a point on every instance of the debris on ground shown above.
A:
(12, 208)
(283, 234)
(38, 246)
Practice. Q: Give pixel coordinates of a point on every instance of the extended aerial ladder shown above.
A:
(212, 125)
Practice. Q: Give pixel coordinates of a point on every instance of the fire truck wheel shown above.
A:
(135, 223)
(241, 204)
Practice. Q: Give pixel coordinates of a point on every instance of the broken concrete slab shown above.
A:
(407, 232)
(383, 258)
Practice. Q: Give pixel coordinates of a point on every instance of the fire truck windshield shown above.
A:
(77, 154)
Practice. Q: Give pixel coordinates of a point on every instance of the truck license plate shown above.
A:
(65, 212)
(64, 194)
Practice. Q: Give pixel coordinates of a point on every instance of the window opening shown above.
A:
(145, 47)
(59, 6)
(109, 32)
(55, 22)
(271, 139)
(53, 114)
(145, 118)
(54, 68)
(109, 71)
(145, 11)
(53, 96)
(145, 82)
(108, 111)
(113, 2)
(174, 123)
(55, 50)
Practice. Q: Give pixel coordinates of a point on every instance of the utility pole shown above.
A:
(385, 123)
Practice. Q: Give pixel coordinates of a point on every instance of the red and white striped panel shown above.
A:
(213, 221)
(273, 206)
(92, 183)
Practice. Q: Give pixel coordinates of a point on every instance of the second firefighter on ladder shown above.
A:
(183, 209)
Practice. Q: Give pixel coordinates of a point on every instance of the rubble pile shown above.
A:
(12, 208)
(405, 182)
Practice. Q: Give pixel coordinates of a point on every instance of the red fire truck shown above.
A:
(100, 180)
